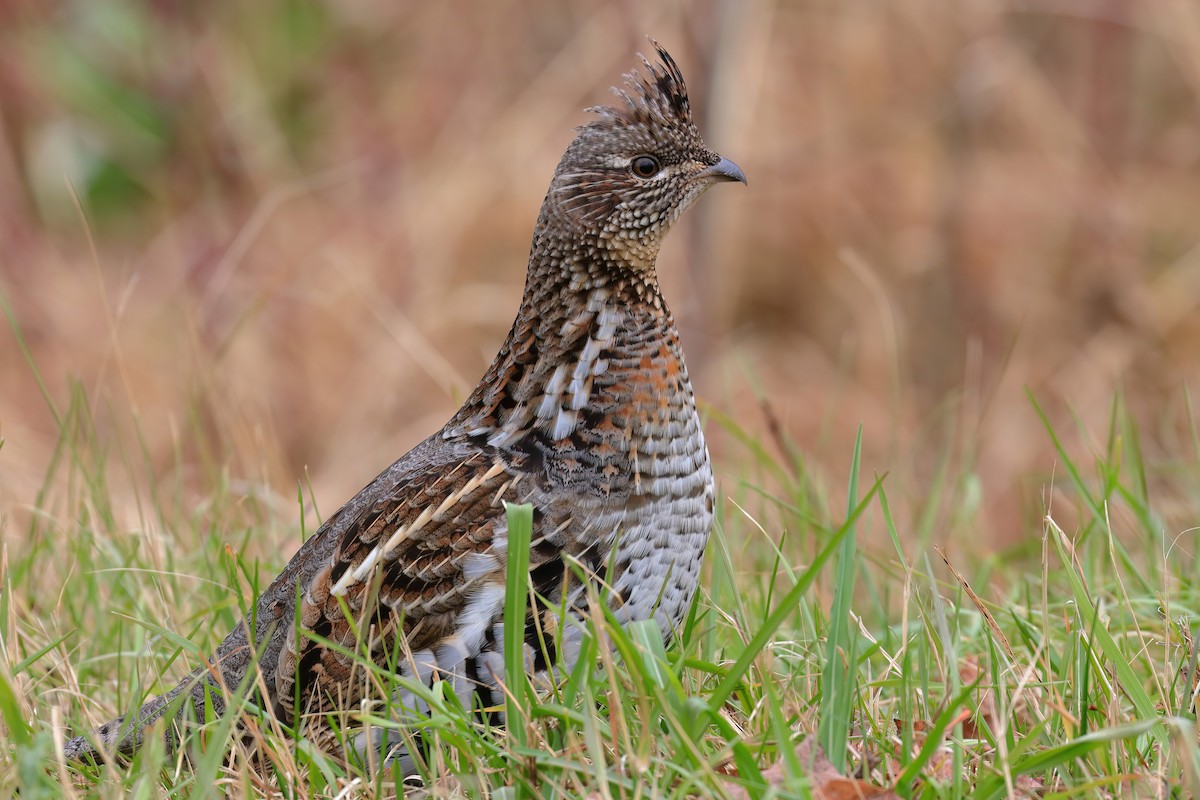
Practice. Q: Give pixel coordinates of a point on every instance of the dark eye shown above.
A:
(644, 166)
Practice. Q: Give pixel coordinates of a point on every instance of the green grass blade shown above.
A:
(837, 697)
(1065, 754)
(1076, 478)
(1126, 677)
(10, 713)
(517, 695)
(786, 607)
(934, 738)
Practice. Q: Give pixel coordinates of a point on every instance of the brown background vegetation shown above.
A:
(308, 226)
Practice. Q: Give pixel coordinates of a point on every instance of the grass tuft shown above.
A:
(1065, 670)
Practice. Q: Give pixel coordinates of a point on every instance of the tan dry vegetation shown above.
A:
(310, 224)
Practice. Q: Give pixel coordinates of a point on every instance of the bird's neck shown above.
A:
(592, 335)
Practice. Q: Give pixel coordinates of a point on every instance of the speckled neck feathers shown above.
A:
(593, 351)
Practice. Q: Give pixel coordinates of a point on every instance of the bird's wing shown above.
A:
(421, 569)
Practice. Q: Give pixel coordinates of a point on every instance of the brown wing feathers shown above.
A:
(420, 573)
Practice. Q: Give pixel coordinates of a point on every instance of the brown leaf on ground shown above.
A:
(969, 671)
(941, 764)
(826, 783)
(1027, 787)
(986, 713)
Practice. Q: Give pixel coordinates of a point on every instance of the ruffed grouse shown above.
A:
(587, 413)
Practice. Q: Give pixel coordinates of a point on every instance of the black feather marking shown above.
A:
(669, 82)
(658, 91)
(312, 655)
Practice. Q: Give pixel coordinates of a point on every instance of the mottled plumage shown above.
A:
(587, 413)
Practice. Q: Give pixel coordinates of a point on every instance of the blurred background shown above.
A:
(280, 241)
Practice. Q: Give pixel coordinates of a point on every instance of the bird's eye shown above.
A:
(644, 166)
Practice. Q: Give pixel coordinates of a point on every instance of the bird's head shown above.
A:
(632, 171)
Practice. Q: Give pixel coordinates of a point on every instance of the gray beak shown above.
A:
(724, 170)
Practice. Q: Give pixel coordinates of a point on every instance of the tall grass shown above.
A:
(1064, 670)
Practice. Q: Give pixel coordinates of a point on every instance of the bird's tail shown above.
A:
(198, 698)
(124, 735)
